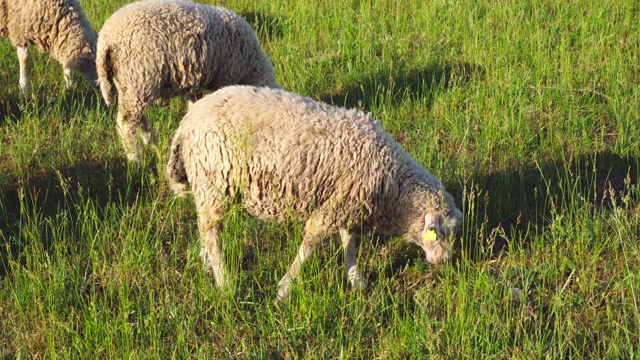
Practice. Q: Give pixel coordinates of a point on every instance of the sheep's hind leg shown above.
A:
(23, 59)
(314, 233)
(353, 274)
(128, 122)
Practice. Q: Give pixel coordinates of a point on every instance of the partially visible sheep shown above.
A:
(59, 27)
(162, 48)
(282, 155)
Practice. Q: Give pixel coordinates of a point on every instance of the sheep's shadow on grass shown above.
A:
(420, 83)
(46, 194)
(524, 201)
(266, 26)
(87, 98)
(10, 109)
(69, 102)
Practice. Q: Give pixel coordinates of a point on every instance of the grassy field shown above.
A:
(529, 114)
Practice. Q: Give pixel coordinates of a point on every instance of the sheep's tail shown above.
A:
(105, 73)
(176, 172)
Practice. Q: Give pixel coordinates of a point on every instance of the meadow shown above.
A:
(527, 111)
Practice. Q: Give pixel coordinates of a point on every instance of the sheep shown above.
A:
(284, 156)
(157, 49)
(59, 27)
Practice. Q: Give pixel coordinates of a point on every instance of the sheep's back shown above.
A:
(56, 26)
(174, 47)
(26, 21)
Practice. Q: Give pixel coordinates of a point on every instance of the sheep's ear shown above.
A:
(87, 53)
(433, 222)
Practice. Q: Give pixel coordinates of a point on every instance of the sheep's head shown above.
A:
(437, 235)
(430, 220)
(86, 64)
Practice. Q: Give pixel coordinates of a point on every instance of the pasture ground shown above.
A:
(527, 111)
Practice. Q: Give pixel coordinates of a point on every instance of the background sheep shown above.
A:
(59, 27)
(163, 48)
(285, 155)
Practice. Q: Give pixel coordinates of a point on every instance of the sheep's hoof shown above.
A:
(359, 285)
(204, 256)
(25, 90)
(179, 189)
(356, 279)
(284, 288)
(133, 158)
(148, 138)
(221, 280)
(278, 301)
(282, 297)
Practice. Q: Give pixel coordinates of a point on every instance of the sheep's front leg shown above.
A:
(314, 233)
(68, 80)
(211, 255)
(284, 285)
(146, 132)
(23, 58)
(191, 99)
(350, 257)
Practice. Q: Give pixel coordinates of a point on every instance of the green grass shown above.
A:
(527, 111)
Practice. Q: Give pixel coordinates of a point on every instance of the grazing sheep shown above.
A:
(59, 27)
(157, 49)
(285, 156)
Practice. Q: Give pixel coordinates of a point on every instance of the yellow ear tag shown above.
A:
(430, 236)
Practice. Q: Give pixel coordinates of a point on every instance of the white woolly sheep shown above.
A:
(59, 27)
(157, 49)
(285, 156)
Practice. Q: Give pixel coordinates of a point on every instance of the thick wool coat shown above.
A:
(287, 156)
